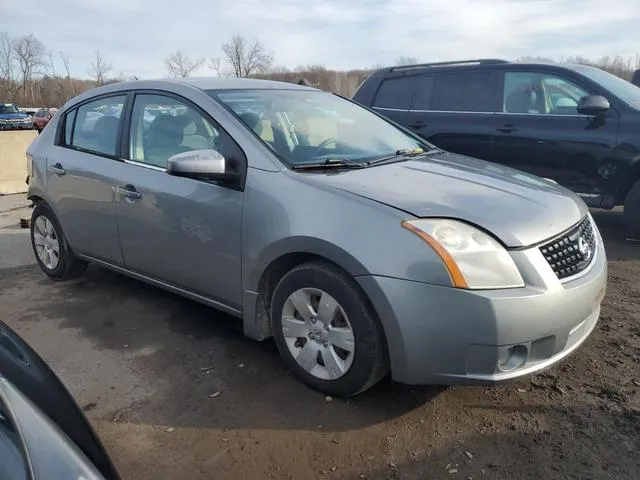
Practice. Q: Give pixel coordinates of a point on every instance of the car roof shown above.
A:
(216, 83)
(201, 83)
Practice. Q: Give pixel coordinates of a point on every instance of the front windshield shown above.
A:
(305, 126)
(8, 108)
(625, 91)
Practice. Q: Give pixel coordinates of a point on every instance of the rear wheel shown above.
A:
(50, 246)
(326, 332)
(632, 210)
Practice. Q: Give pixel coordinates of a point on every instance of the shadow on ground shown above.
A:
(190, 352)
(611, 225)
(567, 442)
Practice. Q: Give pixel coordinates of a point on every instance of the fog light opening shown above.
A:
(512, 358)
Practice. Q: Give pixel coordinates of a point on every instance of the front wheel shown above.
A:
(632, 210)
(326, 332)
(50, 246)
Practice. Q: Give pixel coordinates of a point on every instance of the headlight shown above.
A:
(474, 259)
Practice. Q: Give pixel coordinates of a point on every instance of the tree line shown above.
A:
(30, 75)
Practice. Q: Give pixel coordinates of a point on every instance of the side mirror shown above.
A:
(593, 105)
(205, 164)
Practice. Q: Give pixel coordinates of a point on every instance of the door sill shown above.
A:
(166, 286)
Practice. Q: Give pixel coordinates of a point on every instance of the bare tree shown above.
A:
(29, 53)
(215, 64)
(6, 63)
(180, 65)
(247, 58)
(65, 63)
(100, 69)
(67, 70)
(59, 81)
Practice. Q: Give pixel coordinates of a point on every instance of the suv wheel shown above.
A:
(632, 210)
(50, 246)
(326, 331)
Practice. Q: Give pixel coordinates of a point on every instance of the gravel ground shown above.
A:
(175, 391)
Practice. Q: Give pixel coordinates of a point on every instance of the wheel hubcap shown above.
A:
(45, 239)
(318, 333)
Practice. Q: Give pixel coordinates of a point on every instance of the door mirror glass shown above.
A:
(593, 105)
(205, 164)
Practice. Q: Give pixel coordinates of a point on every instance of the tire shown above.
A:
(631, 212)
(355, 370)
(46, 233)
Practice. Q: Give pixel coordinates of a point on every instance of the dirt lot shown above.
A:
(176, 391)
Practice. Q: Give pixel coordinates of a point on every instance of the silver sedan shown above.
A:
(359, 247)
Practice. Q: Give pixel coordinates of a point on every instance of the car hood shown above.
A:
(518, 208)
(5, 116)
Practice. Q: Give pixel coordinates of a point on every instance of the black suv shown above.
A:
(574, 124)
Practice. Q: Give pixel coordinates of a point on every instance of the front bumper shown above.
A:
(443, 335)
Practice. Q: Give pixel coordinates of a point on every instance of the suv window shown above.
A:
(422, 99)
(540, 93)
(163, 126)
(40, 114)
(464, 92)
(396, 93)
(96, 125)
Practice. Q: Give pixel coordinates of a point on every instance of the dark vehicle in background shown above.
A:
(574, 124)
(12, 119)
(636, 78)
(43, 432)
(41, 118)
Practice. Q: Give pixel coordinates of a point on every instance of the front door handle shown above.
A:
(417, 125)
(57, 169)
(128, 191)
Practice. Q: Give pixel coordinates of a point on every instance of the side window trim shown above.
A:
(61, 128)
(73, 126)
(123, 128)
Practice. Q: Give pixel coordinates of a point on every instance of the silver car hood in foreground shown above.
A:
(520, 209)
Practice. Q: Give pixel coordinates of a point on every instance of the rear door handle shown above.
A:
(57, 169)
(507, 129)
(128, 191)
(417, 124)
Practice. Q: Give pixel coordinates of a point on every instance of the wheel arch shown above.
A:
(275, 262)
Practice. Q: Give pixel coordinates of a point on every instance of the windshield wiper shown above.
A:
(328, 163)
(402, 154)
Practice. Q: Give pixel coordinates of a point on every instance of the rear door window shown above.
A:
(96, 125)
(422, 98)
(396, 93)
(464, 92)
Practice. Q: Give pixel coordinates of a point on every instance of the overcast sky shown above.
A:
(137, 35)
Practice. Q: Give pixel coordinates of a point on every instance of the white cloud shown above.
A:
(135, 36)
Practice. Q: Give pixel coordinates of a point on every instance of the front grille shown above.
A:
(573, 251)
